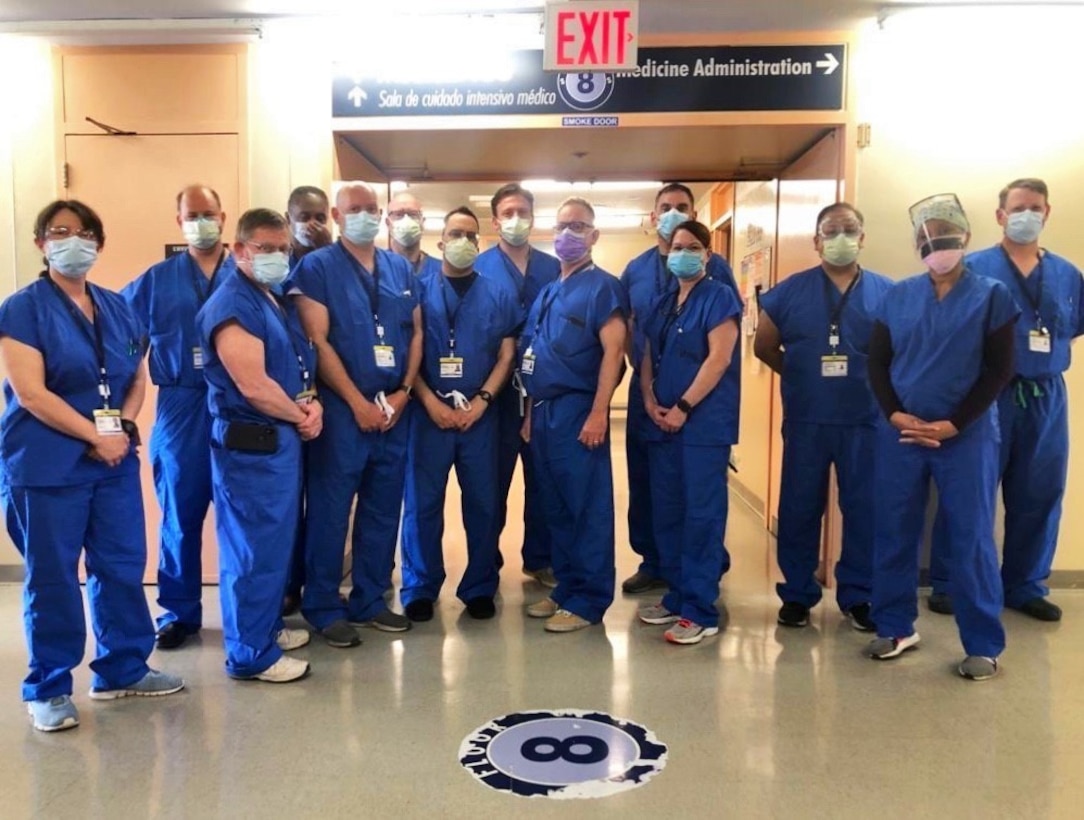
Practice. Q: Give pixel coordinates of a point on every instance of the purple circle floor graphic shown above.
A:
(562, 753)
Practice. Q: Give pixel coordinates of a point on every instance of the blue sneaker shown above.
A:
(54, 714)
(152, 685)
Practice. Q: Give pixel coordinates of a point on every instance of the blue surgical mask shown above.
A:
(1024, 227)
(270, 268)
(361, 228)
(202, 233)
(71, 257)
(684, 264)
(668, 222)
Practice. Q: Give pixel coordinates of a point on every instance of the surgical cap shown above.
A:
(942, 207)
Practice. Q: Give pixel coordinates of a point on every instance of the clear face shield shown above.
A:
(941, 231)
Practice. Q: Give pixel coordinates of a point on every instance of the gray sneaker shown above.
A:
(386, 621)
(53, 714)
(657, 614)
(882, 649)
(687, 632)
(340, 634)
(152, 685)
(976, 667)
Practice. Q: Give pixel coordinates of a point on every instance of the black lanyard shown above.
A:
(1036, 302)
(836, 313)
(451, 315)
(372, 289)
(548, 303)
(663, 278)
(279, 309)
(674, 311)
(198, 278)
(519, 280)
(96, 338)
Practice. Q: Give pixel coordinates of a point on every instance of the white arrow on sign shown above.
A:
(357, 94)
(829, 64)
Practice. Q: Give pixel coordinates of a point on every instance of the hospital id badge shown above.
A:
(527, 365)
(1038, 342)
(384, 355)
(197, 358)
(451, 367)
(305, 397)
(833, 367)
(107, 422)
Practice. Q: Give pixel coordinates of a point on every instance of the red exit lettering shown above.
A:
(592, 38)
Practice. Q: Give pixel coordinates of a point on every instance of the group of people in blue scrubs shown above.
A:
(952, 376)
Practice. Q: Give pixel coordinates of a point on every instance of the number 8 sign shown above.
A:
(585, 91)
(563, 753)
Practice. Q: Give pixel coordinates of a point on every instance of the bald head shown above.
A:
(355, 197)
(198, 193)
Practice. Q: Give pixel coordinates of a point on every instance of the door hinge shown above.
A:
(863, 134)
(65, 171)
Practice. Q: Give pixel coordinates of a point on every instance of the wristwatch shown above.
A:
(406, 388)
(683, 406)
(485, 396)
(131, 430)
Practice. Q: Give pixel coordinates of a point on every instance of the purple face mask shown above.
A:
(570, 247)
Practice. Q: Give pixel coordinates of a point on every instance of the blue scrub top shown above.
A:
(937, 346)
(429, 264)
(33, 453)
(1058, 288)
(646, 281)
(562, 331)
(802, 307)
(166, 298)
(332, 277)
(523, 289)
(679, 347)
(483, 319)
(276, 324)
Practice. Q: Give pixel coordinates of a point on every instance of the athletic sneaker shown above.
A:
(546, 608)
(858, 615)
(686, 632)
(152, 685)
(940, 602)
(1040, 609)
(53, 714)
(976, 667)
(882, 649)
(284, 670)
(564, 621)
(544, 576)
(386, 621)
(793, 613)
(656, 614)
(340, 634)
(290, 639)
(640, 581)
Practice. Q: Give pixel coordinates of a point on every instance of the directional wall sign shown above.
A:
(666, 80)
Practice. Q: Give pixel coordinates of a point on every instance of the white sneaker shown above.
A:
(290, 639)
(284, 670)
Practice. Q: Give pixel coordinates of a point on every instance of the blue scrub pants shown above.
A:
(256, 503)
(965, 472)
(296, 579)
(346, 463)
(53, 525)
(181, 460)
(577, 486)
(1034, 466)
(433, 453)
(690, 505)
(641, 528)
(808, 452)
(536, 550)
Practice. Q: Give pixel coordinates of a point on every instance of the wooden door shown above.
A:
(132, 182)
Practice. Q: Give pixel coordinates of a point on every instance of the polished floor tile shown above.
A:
(760, 721)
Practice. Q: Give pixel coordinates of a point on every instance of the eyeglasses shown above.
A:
(62, 232)
(267, 247)
(397, 215)
(851, 229)
(575, 227)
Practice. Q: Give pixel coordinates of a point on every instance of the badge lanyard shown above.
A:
(198, 278)
(280, 312)
(451, 315)
(836, 316)
(371, 290)
(1036, 302)
(672, 315)
(96, 339)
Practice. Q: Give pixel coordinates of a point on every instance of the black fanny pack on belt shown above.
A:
(251, 438)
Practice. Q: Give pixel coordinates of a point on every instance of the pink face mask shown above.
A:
(941, 262)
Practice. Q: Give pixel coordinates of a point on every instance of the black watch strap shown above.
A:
(485, 396)
(683, 406)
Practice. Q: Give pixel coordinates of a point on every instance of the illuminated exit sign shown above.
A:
(591, 35)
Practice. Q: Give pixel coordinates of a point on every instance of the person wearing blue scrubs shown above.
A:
(73, 355)
(307, 212)
(359, 307)
(940, 352)
(406, 223)
(469, 324)
(258, 365)
(1033, 409)
(814, 332)
(646, 280)
(691, 395)
(522, 271)
(571, 359)
(166, 299)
